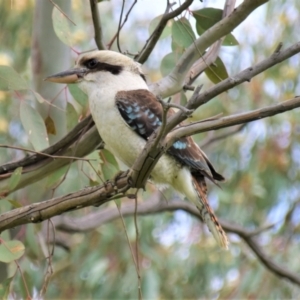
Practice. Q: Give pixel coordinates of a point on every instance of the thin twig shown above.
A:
(232, 120)
(206, 60)
(38, 212)
(137, 247)
(127, 238)
(215, 117)
(54, 4)
(245, 75)
(120, 26)
(140, 171)
(211, 140)
(278, 48)
(24, 281)
(188, 88)
(262, 256)
(49, 272)
(97, 25)
(153, 39)
(45, 154)
(262, 229)
(199, 99)
(186, 111)
(174, 81)
(64, 143)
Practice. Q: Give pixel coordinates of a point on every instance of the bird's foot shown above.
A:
(118, 176)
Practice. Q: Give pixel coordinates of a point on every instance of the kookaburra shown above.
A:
(126, 113)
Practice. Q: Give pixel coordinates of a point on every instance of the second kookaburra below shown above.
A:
(126, 113)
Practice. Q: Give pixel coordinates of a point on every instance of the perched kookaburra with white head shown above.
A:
(126, 113)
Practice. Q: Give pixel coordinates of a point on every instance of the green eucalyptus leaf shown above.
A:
(11, 80)
(230, 40)
(109, 158)
(153, 24)
(56, 177)
(78, 95)
(29, 284)
(182, 33)
(109, 164)
(15, 203)
(50, 125)
(5, 287)
(72, 117)
(15, 178)
(217, 71)
(167, 64)
(208, 17)
(11, 250)
(61, 26)
(151, 284)
(34, 126)
(177, 49)
(38, 97)
(32, 244)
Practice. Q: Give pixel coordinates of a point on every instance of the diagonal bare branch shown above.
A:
(46, 166)
(232, 120)
(246, 75)
(37, 170)
(174, 82)
(153, 39)
(120, 26)
(211, 55)
(115, 189)
(65, 142)
(153, 150)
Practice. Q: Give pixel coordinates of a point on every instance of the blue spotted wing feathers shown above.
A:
(143, 113)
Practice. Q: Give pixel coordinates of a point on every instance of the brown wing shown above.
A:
(143, 113)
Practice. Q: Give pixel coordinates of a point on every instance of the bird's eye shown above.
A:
(92, 63)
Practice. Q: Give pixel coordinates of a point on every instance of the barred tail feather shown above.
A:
(207, 213)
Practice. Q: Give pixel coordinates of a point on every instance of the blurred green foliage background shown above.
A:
(178, 256)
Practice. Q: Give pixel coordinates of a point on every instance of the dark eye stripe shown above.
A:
(91, 63)
(94, 66)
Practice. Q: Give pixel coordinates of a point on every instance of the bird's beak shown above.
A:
(69, 76)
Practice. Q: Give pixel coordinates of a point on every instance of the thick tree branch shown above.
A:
(241, 118)
(65, 142)
(101, 194)
(41, 211)
(199, 99)
(246, 75)
(39, 170)
(274, 267)
(36, 169)
(174, 82)
(153, 151)
(153, 39)
(97, 25)
(211, 55)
